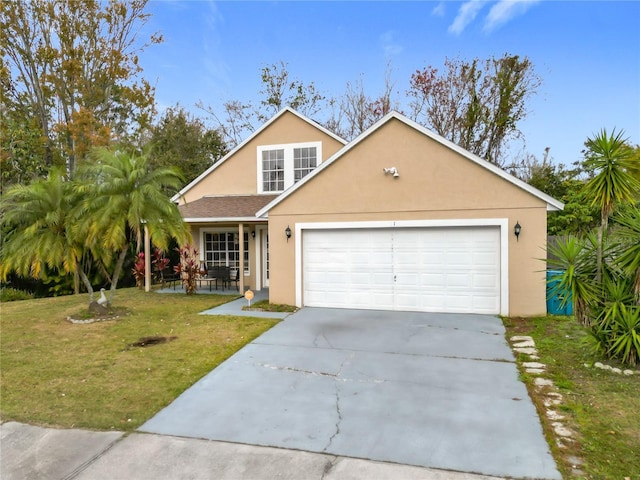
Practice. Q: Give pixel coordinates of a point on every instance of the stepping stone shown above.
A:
(553, 415)
(561, 430)
(535, 371)
(526, 351)
(543, 382)
(521, 338)
(525, 344)
(533, 365)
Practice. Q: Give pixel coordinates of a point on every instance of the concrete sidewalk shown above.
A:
(233, 307)
(28, 452)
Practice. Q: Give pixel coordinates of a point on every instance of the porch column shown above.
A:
(241, 259)
(147, 259)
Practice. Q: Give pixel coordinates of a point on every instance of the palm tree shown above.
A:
(629, 258)
(121, 192)
(40, 234)
(611, 160)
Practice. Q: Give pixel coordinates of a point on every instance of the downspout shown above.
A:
(241, 259)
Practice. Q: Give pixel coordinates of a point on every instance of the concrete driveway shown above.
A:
(431, 390)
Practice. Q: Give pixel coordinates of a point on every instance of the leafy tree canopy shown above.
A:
(181, 140)
(70, 76)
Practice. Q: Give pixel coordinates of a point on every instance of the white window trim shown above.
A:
(288, 162)
(502, 223)
(245, 230)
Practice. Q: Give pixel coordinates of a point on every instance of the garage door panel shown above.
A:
(417, 269)
(486, 281)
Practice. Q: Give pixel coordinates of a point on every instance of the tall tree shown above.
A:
(610, 161)
(121, 193)
(73, 67)
(179, 139)
(475, 104)
(239, 119)
(358, 111)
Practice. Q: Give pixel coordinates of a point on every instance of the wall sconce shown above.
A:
(517, 229)
(287, 232)
(391, 171)
(253, 234)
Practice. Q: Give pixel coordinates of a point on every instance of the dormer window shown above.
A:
(280, 166)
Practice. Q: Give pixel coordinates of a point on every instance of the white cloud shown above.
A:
(213, 61)
(389, 45)
(438, 10)
(466, 14)
(503, 11)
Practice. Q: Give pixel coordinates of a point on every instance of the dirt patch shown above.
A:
(150, 341)
(86, 316)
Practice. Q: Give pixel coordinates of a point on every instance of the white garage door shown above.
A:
(412, 269)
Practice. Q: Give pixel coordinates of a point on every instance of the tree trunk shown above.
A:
(599, 255)
(76, 282)
(116, 271)
(85, 281)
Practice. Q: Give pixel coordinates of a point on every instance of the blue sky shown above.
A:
(587, 53)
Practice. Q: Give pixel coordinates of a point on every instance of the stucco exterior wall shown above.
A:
(238, 175)
(435, 183)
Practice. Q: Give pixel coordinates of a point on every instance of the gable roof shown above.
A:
(204, 174)
(552, 203)
(228, 207)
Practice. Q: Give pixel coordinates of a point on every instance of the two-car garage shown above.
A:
(446, 268)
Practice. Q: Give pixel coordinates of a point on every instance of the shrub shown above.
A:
(188, 268)
(8, 294)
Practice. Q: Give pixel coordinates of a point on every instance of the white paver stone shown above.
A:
(526, 351)
(628, 372)
(521, 338)
(543, 382)
(535, 371)
(553, 415)
(533, 365)
(561, 430)
(525, 344)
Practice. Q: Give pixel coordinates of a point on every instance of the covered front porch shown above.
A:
(228, 235)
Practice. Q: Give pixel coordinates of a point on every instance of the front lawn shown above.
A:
(601, 406)
(55, 373)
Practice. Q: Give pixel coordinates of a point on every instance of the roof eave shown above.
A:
(223, 219)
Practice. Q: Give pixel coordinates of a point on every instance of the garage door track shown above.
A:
(432, 390)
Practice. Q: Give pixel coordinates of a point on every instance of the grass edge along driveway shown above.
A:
(600, 406)
(59, 374)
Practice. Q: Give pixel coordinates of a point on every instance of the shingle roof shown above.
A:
(230, 206)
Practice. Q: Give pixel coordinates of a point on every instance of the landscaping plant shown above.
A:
(189, 268)
(600, 271)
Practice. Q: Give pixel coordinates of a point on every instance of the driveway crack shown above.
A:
(298, 370)
(338, 411)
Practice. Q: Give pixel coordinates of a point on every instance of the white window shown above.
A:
(222, 249)
(280, 166)
(305, 159)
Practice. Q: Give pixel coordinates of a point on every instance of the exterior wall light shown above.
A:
(517, 229)
(391, 171)
(253, 234)
(287, 232)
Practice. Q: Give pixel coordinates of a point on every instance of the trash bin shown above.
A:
(555, 297)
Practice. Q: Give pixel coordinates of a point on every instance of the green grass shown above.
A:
(601, 406)
(55, 373)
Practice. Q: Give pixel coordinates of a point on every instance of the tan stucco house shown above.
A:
(397, 219)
